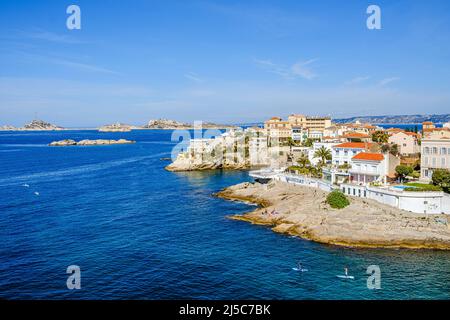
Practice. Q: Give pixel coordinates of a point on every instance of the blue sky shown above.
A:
(223, 61)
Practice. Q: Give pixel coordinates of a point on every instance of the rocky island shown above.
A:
(302, 211)
(173, 125)
(98, 142)
(35, 125)
(116, 127)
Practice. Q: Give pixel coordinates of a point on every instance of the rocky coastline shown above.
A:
(98, 142)
(302, 212)
(187, 164)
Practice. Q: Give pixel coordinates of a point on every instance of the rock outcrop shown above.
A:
(173, 125)
(116, 127)
(183, 163)
(8, 128)
(99, 142)
(35, 125)
(302, 211)
(40, 125)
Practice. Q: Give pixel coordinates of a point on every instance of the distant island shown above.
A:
(35, 125)
(172, 125)
(161, 124)
(116, 127)
(397, 119)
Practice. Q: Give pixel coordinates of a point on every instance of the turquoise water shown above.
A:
(402, 187)
(140, 232)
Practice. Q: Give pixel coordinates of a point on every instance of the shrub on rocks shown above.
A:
(337, 200)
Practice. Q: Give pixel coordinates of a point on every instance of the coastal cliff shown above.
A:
(303, 212)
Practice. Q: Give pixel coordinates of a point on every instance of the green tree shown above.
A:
(385, 148)
(323, 154)
(403, 171)
(380, 136)
(441, 177)
(303, 161)
(308, 143)
(394, 149)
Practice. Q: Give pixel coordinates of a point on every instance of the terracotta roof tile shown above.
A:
(356, 145)
(369, 156)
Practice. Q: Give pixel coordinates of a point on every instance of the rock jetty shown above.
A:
(302, 211)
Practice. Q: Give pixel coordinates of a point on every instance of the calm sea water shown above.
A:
(139, 232)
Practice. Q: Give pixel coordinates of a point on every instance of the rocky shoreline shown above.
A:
(178, 166)
(98, 142)
(302, 212)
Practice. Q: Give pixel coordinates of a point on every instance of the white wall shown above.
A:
(417, 202)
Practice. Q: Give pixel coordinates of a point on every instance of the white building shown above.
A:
(299, 134)
(343, 153)
(435, 154)
(368, 167)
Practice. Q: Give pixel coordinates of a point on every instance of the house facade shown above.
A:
(435, 154)
(407, 142)
(368, 167)
(343, 153)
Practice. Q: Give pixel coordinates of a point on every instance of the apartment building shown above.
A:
(435, 154)
(407, 142)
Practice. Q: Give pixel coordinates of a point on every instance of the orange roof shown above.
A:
(395, 130)
(355, 135)
(275, 118)
(369, 156)
(356, 145)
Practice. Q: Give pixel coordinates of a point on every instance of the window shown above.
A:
(443, 151)
(434, 162)
(442, 162)
(425, 160)
(435, 150)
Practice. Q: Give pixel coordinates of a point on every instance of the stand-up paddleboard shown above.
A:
(343, 276)
(26, 185)
(300, 270)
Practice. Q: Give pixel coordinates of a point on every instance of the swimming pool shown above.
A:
(402, 187)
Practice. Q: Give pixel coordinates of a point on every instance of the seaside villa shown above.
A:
(367, 167)
(344, 152)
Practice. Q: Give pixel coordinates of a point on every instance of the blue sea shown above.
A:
(140, 232)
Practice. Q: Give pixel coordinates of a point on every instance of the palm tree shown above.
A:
(303, 161)
(324, 154)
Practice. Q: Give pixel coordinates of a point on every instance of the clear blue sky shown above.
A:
(224, 61)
